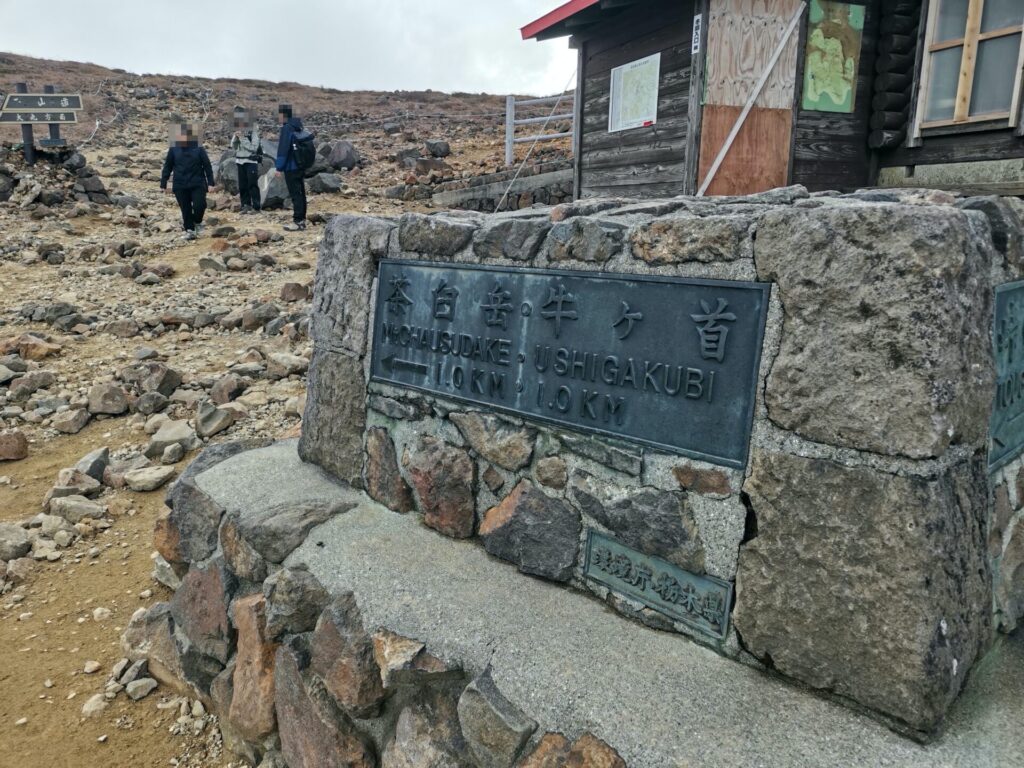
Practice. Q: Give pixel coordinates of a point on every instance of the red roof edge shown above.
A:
(560, 14)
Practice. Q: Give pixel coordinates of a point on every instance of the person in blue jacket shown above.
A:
(286, 164)
(188, 162)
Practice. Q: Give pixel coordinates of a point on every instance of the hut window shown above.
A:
(973, 63)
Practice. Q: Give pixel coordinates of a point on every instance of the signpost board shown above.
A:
(47, 108)
(42, 102)
(667, 362)
(1006, 429)
(41, 118)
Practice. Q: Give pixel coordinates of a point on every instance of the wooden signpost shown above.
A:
(47, 108)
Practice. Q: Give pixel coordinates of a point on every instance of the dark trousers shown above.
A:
(297, 191)
(193, 206)
(248, 185)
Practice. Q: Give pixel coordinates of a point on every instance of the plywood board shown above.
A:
(758, 159)
(742, 36)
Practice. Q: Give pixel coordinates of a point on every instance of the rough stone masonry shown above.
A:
(872, 555)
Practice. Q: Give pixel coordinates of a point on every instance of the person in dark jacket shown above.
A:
(188, 162)
(286, 164)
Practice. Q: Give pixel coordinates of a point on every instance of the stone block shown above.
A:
(682, 239)
(886, 314)
(652, 521)
(537, 532)
(382, 479)
(312, 736)
(433, 235)
(872, 586)
(496, 439)
(512, 239)
(1009, 588)
(583, 239)
(295, 600)
(200, 609)
(343, 658)
(252, 705)
(444, 478)
(494, 728)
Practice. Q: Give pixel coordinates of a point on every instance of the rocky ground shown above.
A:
(125, 349)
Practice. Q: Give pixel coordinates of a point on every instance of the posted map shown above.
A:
(634, 94)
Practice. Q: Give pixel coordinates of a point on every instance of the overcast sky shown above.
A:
(446, 45)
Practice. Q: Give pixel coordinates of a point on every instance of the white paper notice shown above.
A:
(634, 96)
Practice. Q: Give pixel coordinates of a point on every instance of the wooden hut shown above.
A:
(739, 96)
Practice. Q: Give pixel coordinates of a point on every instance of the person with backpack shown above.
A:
(248, 152)
(188, 162)
(296, 153)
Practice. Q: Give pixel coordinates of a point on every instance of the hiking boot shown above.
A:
(297, 226)
(190, 235)
(245, 209)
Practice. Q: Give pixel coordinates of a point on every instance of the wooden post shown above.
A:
(695, 110)
(27, 139)
(510, 130)
(577, 127)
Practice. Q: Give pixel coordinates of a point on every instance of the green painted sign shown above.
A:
(835, 33)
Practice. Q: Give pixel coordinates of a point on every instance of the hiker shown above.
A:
(193, 176)
(292, 160)
(248, 152)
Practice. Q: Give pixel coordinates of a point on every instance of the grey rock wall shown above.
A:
(860, 537)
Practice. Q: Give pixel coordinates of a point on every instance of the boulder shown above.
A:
(107, 398)
(537, 532)
(71, 421)
(14, 542)
(211, 420)
(343, 155)
(76, 508)
(148, 478)
(13, 445)
(273, 191)
(325, 183)
(834, 544)
(438, 148)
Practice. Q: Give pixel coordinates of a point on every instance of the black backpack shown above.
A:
(304, 147)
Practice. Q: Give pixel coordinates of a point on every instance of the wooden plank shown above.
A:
(970, 55)
(758, 159)
(742, 35)
(957, 148)
(577, 139)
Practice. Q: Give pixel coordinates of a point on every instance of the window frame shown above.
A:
(968, 61)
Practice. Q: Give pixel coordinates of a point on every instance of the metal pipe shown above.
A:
(533, 120)
(543, 137)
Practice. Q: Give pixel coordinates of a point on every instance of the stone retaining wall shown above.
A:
(860, 537)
